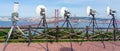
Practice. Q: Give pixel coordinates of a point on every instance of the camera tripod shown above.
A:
(13, 28)
(68, 26)
(95, 25)
(43, 22)
(114, 24)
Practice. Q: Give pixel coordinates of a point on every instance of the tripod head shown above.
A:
(91, 11)
(15, 16)
(42, 13)
(67, 14)
(110, 12)
(41, 10)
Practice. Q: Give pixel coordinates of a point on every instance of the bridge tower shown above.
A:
(56, 17)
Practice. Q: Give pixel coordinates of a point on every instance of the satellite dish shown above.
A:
(63, 9)
(108, 10)
(88, 10)
(16, 6)
(38, 9)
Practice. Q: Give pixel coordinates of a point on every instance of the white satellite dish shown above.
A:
(63, 9)
(38, 9)
(108, 10)
(88, 10)
(16, 6)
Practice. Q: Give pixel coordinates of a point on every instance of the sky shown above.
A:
(27, 8)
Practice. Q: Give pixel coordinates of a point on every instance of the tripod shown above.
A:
(114, 24)
(68, 25)
(94, 23)
(13, 27)
(43, 22)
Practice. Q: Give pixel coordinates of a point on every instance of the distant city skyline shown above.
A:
(77, 7)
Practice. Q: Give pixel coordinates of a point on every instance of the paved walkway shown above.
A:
(64, 46)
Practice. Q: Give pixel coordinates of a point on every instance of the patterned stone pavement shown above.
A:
(64, 46)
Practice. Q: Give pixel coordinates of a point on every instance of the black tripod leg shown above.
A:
(9, 35)
(70, 26)
(70, 35)
(109, 25)
(63, 23)
(40, 22)
(90, 22)
(71, 43)
(116, 27)
(38, 25)
(46, 24)
(116, 23)
(96, 24)
(99, 32)
(47, 49)
(45, 29)
(103, 41)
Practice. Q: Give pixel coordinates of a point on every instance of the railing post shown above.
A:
(57, 33)
(87, 28)
(29, 35)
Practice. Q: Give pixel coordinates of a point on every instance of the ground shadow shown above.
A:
(96, 45)
(116, 44)
(41, 46)
(66, 49)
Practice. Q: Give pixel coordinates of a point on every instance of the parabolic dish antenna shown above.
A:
(63, 9)
(38, 9)
(16, 6)
(88, 10)
(108, 10)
